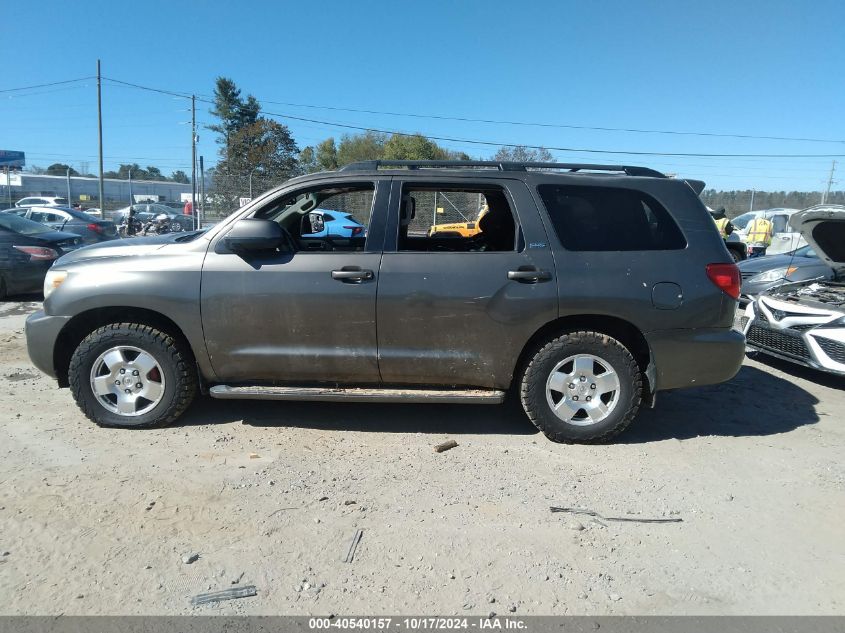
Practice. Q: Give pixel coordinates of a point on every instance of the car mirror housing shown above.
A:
(256, 235)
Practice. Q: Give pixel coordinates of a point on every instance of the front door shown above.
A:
(456, 307)
(306, 316)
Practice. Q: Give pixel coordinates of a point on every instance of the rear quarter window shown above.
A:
(609, 219)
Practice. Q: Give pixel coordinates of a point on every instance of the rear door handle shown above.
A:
(348, 274)
(529, 275)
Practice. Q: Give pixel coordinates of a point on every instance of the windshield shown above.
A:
(21, 225)
(741, 221)
(806, 251)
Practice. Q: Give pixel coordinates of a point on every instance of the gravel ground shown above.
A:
(97, 521)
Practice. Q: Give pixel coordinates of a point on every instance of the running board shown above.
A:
(358, 394)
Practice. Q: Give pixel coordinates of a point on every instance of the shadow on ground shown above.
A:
(507, 419)
(755, 403)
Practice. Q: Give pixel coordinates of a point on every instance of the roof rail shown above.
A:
(373, 165)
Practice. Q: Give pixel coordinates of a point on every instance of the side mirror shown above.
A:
(256, 235)
(312, 223)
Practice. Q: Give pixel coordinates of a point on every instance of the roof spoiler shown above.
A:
(696, 185)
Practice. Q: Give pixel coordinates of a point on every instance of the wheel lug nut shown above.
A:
(126, 390)
(135, 373)
(139, 385)
(574, 397)
(592, 386)
(122, 371)
(588, 398)
(583, 378)
(572, 385)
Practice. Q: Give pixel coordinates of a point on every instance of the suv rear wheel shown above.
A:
(132, 375)
(582, 387)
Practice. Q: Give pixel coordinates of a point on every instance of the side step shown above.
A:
(358, 394)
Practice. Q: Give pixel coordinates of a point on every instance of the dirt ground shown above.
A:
(96, 521)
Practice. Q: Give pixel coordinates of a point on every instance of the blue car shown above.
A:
(324, 223)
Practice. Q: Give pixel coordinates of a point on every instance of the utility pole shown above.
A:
(100, 136)
(751, 206)
(131, 199)
(201, 216)
(829, 182)
(194, 157)
(8, 186)
(67, 175)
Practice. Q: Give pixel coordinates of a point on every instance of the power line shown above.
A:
(52, 83)
(206, 99)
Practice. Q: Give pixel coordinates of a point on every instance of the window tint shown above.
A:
(609, 219)
(306, 216)
(455, 220)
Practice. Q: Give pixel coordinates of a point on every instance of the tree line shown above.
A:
(738, 202)
(257, 153)
(122, 173)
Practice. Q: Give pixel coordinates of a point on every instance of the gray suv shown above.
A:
(584, 289)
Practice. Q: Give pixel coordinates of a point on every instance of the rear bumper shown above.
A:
(691, 358)
(41, 334)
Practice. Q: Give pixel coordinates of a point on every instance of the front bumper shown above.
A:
(42, 331)
(691, 358)
(790, 332)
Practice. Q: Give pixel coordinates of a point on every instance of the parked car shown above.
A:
(804, 322)
(27, 250)
(148, 210)
(321, 224)
(91, 229)
(760, 274)
(587, 292)
(41, 201)
(784, 238)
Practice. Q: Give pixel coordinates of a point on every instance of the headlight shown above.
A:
(773, 275)
(53, 280)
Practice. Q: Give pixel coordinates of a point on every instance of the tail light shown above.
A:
(726, 277)
(356, 230)
(38, 253)
(95, 227)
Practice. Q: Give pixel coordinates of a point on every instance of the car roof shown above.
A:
(74, 213)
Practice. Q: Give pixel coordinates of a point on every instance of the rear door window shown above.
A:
(609, 219)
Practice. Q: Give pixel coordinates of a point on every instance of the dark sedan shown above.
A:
(27, 250)
(92, 230)
(760, 274)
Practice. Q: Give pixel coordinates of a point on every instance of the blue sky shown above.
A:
(759, 68)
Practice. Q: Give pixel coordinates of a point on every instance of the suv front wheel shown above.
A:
(582, 387)
(132, 375)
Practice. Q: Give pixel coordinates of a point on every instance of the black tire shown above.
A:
(2, 287)
(173, 357)
(611, 352)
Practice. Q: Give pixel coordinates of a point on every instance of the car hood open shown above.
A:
(823, 227)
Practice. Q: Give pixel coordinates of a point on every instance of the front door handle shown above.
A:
(529, 275)
(350, 274)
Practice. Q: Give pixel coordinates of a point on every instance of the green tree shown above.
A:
(413, 147)
(326, 155)
(180, 176)
(366, 146)
(522, 154)
(60, 169)
(154, 173)
(256, 153)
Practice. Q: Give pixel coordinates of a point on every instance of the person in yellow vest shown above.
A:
(722, 223)
(759, 236)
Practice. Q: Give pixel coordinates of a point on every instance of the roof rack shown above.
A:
(373, 165)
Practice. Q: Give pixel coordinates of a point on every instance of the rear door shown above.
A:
(457, 310)
(306, 316)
